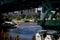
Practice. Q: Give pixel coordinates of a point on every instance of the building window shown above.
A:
(21, 12)
(30, 10)
(33, 10)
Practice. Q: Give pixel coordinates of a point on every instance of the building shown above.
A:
(27, 11)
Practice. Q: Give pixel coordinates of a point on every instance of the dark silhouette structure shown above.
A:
(14, 5)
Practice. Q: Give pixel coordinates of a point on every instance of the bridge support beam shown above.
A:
(45, 9)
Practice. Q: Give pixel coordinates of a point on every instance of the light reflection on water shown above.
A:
(26, 29)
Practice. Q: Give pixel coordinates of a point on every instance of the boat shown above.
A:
(9, 24)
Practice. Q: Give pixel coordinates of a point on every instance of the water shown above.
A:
(26, 30)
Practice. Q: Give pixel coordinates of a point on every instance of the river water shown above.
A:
(25, 30)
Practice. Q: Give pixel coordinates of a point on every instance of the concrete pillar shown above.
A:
(42, 16)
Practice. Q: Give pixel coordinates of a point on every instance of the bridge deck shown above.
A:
(19, 5)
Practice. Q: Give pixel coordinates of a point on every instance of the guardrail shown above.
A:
(50, 22)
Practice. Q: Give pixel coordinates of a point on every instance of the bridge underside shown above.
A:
(20, 5)
(15, 6)
(52, 4)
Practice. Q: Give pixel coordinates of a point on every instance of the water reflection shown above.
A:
(26, 30)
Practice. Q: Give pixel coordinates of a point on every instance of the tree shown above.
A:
(6, 17)
(28, 16)
(17, 17)
(22, 16)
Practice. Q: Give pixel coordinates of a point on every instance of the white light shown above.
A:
(40, 9)
(15, 11)
(57, 8)
(53, 12)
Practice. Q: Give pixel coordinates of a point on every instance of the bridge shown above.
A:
(47, 7)
(50, 4)
(13, 5)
